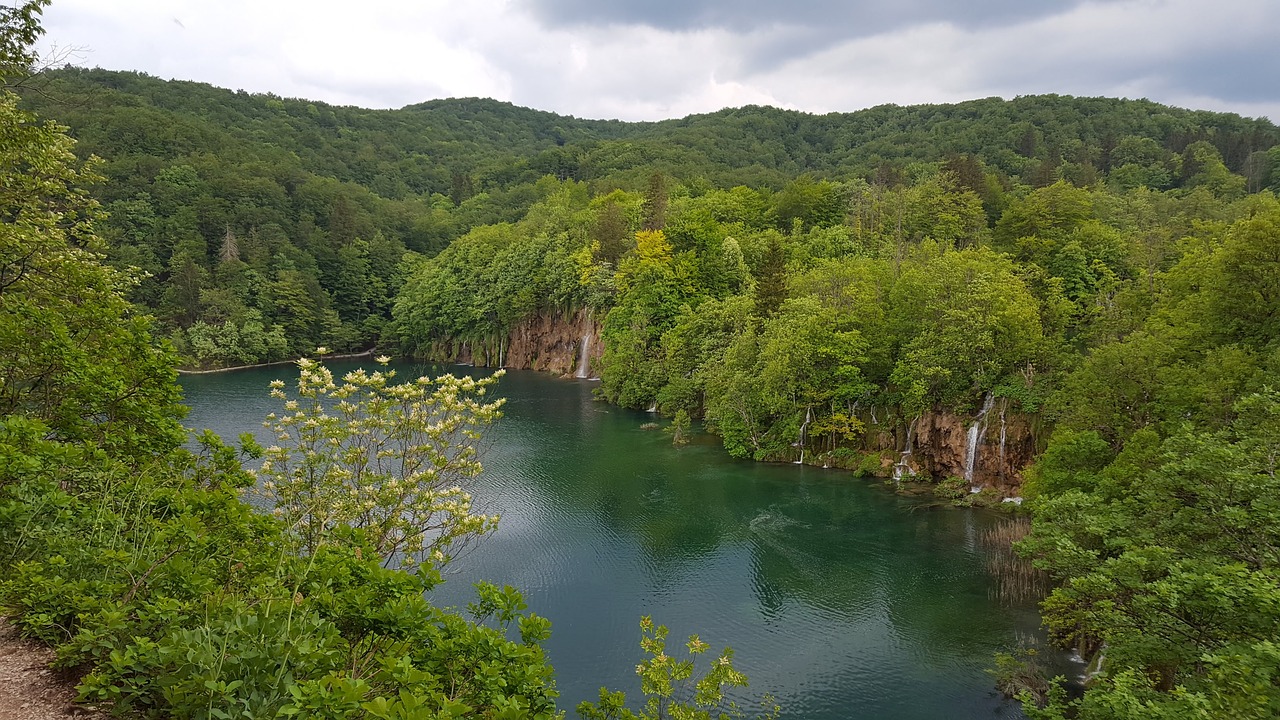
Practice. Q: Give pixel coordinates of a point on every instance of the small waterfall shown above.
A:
(582, 357)
(873, 415)
(903, 467)
(1090, 675)
(976, 430)
(804, 429)
(500, 350)
(653, 408)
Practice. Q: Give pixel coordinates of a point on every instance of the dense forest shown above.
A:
(1108, 267)
(265, 227)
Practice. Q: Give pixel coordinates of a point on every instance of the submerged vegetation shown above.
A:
(1110, 267)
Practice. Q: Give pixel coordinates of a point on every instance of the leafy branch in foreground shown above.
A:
(381, 456)
(671, 688)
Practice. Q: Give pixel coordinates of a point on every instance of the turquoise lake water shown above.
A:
(839, 598)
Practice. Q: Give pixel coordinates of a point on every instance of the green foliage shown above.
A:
(680, 428)
(670, 687)
(952, 488)
(1018, 674)
(236, 203)
(771, 286)
(493, 277)
(382, 457)
(1168, 557)
(73, 352)
(966, 321)
(1072, 461)
(19, 30)
(185, 602)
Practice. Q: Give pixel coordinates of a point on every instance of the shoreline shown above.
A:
(347, 356)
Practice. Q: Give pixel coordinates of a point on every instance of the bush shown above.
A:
(671, 689)
(382, 456)
(182, 601)
(952, 488)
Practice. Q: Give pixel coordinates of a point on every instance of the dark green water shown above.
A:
(839, 598)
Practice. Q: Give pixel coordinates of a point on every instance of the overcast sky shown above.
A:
(669, 58)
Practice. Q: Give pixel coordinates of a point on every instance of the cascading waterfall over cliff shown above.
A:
(804, 433)
(584, 357)
(976, 431)
(903, 466)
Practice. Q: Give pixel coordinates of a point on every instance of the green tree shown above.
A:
(19, 30)
(1169, 557)
(965, 322)
(655, 203)
(680, 428)
(771, 282)
(1246, 283)
(385, 458)
(613, 233)
(73, 351)
(671, 689)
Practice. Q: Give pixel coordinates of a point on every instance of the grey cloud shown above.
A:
(1239, 70)
(1237, 73)
(860, 18)
(665, 58)
(776, 32)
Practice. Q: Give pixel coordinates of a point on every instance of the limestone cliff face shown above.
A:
(990, 447)
(553, 343)
(549, 341)
(939, 444)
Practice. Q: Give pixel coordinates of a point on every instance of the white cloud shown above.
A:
(389, 53)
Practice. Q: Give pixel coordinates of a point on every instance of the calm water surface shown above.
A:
(839, 598)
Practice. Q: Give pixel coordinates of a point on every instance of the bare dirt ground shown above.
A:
(29, 690)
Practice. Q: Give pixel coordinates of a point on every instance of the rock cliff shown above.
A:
(989, 448)
(550, 341)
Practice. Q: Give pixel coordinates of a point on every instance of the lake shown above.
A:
(840, 598)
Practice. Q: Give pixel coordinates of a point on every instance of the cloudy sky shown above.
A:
(669, 58)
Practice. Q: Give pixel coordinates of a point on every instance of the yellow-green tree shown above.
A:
(380, 456)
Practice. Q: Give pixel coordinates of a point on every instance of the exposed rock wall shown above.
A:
(1007, 442)
(549, 342)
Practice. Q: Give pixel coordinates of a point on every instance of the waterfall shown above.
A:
(873, 415)
(582, 357)
(1091, 675)
(976, 430)
(804, 428)
(500, 350)
(653, 408)
(903, 467)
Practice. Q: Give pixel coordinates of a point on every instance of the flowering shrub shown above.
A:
(381, 456)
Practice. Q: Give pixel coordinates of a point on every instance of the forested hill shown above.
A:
(266, 226)
(395, 153)
(420, 148)
(1032, 136)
